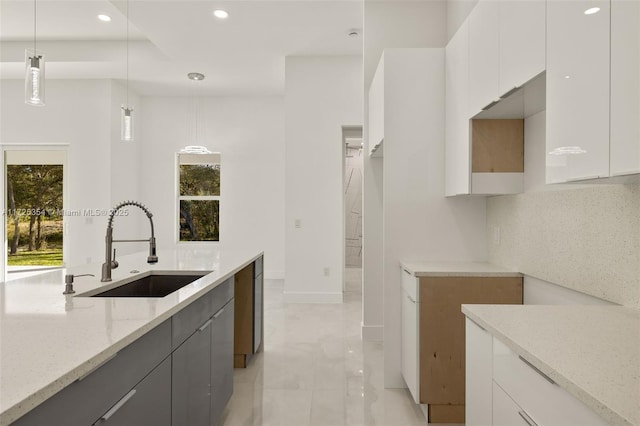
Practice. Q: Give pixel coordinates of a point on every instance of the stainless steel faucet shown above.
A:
(109, 261)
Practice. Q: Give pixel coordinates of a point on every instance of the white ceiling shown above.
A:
(169, 38)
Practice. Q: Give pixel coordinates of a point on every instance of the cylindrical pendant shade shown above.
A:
(126, 124)
(34, 78)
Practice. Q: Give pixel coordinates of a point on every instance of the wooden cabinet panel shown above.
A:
(442, 330)
(498, 146)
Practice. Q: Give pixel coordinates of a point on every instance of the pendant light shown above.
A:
(195, 149)
(126, 116)
(34, 71)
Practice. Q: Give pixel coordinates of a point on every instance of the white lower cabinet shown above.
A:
(479, 377)
(506, 412)
(410, 354)
(517, 393)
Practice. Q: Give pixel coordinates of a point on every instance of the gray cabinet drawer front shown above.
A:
(221, 361)
(221, 295)
(258, 304)
(81, 402)
(187, 321)
(151, 403)
(258, 266)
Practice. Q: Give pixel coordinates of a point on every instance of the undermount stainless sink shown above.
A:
(153, 285)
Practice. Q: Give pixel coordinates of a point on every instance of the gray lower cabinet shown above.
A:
(84, 401)
(191, 377)
(202, 372)
(148, 403)
(180, 373)
(257, 311)
(221, 360)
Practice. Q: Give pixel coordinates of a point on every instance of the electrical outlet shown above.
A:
(496, 235)
(327, 272)
(297, 223)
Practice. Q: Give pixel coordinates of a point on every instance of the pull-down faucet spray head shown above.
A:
(108, 264)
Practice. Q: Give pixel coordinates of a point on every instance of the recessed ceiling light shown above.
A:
(104, 18)
(221, 14)
(592, 10)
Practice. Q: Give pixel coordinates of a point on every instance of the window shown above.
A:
(33, 208)
(199, 197)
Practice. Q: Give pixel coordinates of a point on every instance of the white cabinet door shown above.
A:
(522, 42)
(457, 115)
(505, 411)
(577, 90)
(410, 359)
(376, 107)
(484, 55)
(625, 87)
(478, 379)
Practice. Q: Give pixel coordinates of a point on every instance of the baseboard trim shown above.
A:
(274, 275)
(373, 333)
(309, 297)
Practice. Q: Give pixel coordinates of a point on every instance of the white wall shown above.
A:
(457, 12)
(321, 95)
(78, 114)
(419, 223)
(387, 24)
(249, 133)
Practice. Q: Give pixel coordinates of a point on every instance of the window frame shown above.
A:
(179, 197)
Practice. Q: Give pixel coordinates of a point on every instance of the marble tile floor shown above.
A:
(316, 371)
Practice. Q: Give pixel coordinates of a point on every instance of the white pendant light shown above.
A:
(34, 71)
(126, 114)
(195, 149)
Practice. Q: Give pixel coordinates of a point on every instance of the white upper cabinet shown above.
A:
(578, 80)
(376, 108)
(522, 42)
(484, 55)
(625, 87)
(457, 117)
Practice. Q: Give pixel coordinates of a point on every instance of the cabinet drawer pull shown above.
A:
(118, 405)
(509, 92)
(489, 105)
(407, 272)
(527, 419)
(219, 313)
(206, 324)
(411, 299)
(537, 370)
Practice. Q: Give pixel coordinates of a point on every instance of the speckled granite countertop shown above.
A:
(456, 269)
(48, 340)
(591, 351)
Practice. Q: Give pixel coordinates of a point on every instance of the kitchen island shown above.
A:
(49, 340)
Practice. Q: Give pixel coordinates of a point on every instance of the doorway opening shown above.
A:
(353, 154)
(34, 197)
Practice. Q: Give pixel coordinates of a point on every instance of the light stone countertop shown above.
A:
(456, 269)
(48, 340)
(591, 351)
